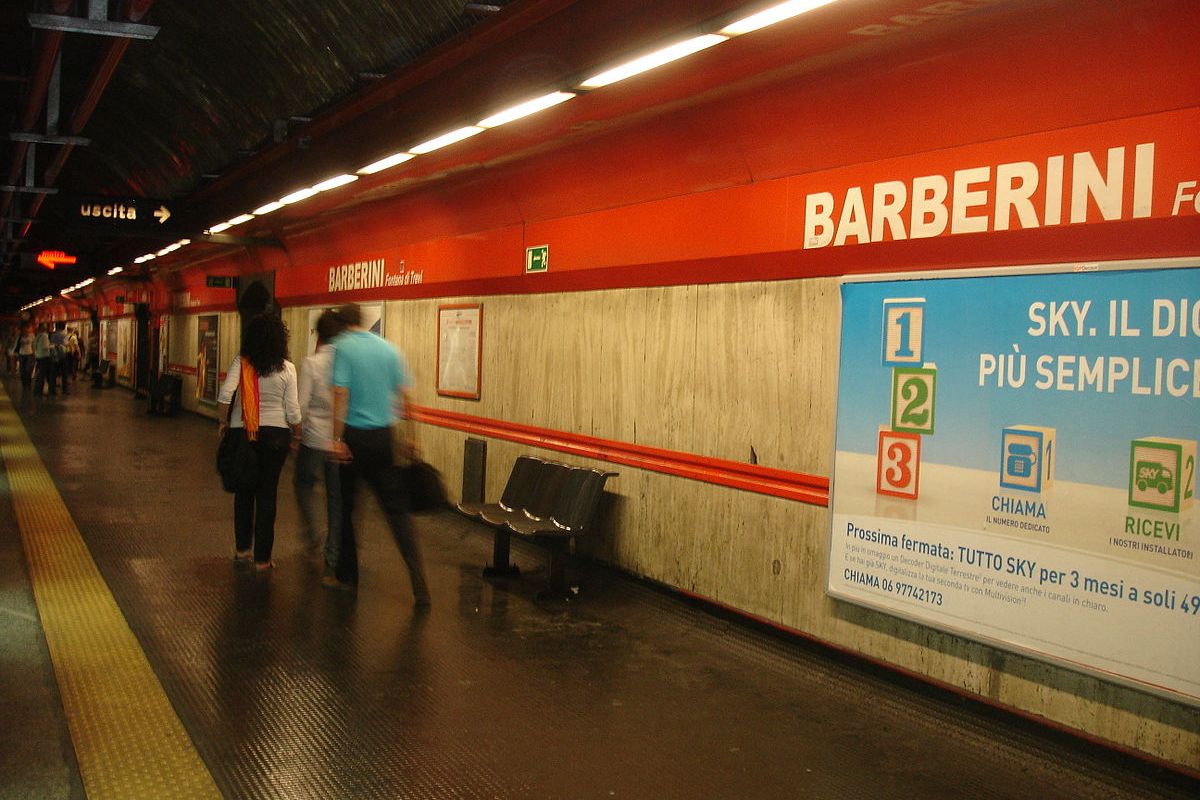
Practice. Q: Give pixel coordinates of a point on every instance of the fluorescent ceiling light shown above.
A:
(239, 219)
(446, 139)
(220, 226)
(525, 109)
(116, 271)
(184, 242)
(297, 196)
(268, 208)
(772, 15)
(88, 282)
(333, 183)
(385, 163)
(171, 248)
(655, 59)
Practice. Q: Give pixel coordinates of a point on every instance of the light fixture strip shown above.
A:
(772, 15)
(333, 183)
(656, 59)
(268, 208)
(525, 109)
(385, 163)
(446, 139)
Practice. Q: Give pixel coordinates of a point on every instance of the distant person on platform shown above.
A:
(370, 386)
(73, 353)
(266, 405)
(25, 359)
(41, 354)
(59, 361)
(316, 443)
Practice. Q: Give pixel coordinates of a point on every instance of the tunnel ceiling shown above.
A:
(221, 81)
(234, 103)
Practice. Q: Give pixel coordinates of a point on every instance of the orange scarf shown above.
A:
(249, 381)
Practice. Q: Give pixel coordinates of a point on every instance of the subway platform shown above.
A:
(150, 665)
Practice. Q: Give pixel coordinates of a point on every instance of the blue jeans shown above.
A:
(310, 461)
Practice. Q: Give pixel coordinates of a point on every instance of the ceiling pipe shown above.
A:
(110, 59)
(50, 45)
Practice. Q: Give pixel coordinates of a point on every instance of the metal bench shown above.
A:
(543, 501)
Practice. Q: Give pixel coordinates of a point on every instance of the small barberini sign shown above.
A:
(370, 274)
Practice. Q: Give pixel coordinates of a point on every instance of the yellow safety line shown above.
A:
(128, 739)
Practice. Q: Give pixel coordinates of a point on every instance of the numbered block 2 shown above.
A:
(903, 332)
(898, 464)
(1027, 456)
(913, 393)
(1162, 473)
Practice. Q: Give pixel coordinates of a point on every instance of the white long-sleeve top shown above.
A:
(316, 399)
(278, 401)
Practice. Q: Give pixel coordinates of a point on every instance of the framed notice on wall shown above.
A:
(207, 368)
(460, 350)
(1016, 463)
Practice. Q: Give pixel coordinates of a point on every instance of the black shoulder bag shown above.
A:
(237, 460)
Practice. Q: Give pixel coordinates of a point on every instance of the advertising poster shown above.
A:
(125, 350)
(110, 340)
(1016, 463)
(207, 368)
(372, 320)
(460, 339)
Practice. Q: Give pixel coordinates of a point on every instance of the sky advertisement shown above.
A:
(1016, 463)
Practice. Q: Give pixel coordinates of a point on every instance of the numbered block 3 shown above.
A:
(1162, 473)
(903, 332)
(1027, 456)
(898, 464)
(913, 393)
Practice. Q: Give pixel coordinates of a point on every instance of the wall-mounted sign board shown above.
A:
(1016, 463)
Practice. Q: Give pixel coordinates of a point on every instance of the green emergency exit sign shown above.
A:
(537, 259)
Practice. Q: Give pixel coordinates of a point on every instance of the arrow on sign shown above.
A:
(162, 214)
(52, 258)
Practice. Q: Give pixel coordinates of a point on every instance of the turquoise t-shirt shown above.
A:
(372, 369)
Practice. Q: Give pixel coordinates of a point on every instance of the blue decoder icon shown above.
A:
(1027, 457)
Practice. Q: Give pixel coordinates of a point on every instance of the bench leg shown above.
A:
(501, 566)
(557, 588)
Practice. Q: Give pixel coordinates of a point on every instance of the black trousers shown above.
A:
(371, 450)
(254, 512)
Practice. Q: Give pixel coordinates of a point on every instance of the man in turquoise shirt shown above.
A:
(370, 382)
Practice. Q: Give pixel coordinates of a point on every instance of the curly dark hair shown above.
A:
(265, 343)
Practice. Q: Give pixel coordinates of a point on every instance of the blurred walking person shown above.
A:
(316, 444)
(370, 387)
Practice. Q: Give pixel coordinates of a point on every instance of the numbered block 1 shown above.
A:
(1027, 456)
(898, 464)
(913, 393)
(1162, 473)
(903, 332)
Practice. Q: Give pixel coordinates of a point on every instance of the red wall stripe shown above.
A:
(812, 489)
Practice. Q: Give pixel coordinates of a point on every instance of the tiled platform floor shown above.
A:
(292, 691)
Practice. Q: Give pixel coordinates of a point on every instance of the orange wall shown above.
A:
(713, 189)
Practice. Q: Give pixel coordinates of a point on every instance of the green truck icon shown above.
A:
(1151, 473)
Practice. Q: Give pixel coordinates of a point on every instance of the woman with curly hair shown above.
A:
(261, 387)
